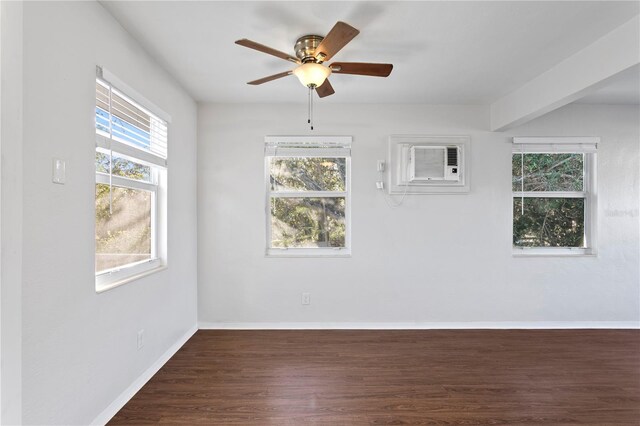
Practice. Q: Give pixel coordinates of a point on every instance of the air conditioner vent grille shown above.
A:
(452, 156)
(428, 163)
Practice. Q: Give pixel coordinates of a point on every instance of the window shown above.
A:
(131, 152)
(308, 205)
(553, 184)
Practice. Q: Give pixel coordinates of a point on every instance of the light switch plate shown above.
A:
(306, 298)
(59, 171)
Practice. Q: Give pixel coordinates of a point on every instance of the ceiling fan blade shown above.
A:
(270, 78)
(325, 89)
(266, 49)
(338, 37)
(361, 68)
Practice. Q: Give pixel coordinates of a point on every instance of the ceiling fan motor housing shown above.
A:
(306, 47)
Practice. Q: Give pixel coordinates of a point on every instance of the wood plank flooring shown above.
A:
(453, 377)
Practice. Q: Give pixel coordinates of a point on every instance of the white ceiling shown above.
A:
(443, 52)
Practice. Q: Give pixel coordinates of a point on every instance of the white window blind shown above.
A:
(556, 144)
(125, 126)
(289, 146)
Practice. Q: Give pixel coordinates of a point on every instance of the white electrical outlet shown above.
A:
(306, 298)
(380, 185)
(140, 339)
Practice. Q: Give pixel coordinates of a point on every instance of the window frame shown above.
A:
(324, 145)
(587, 146)
(157, 186)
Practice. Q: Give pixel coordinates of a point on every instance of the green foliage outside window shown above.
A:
(548, 222)
(316, 221)
(123, 216)
(123, 167)
(308, 174)
(308, 222)
(548, 172)
(545, 220)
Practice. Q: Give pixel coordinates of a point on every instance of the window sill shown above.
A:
(107, 282)
(550, 252)
(308, 253)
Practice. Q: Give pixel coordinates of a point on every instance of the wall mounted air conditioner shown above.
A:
(428, 163)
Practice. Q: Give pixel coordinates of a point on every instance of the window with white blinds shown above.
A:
(131, 170)
(308, 195)
(126, 126)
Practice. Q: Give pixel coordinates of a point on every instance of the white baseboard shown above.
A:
(525, 325)
(128, 393)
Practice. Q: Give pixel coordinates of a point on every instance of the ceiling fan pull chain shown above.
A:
(309, 107)
(311, 103)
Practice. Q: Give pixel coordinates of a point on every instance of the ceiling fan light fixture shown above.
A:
(312, 74)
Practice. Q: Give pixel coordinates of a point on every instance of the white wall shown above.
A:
(11, 212)
(438, 259)
(79, 347)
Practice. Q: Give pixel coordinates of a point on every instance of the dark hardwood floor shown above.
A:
(396, 377)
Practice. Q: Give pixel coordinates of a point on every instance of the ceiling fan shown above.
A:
(312, 51)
